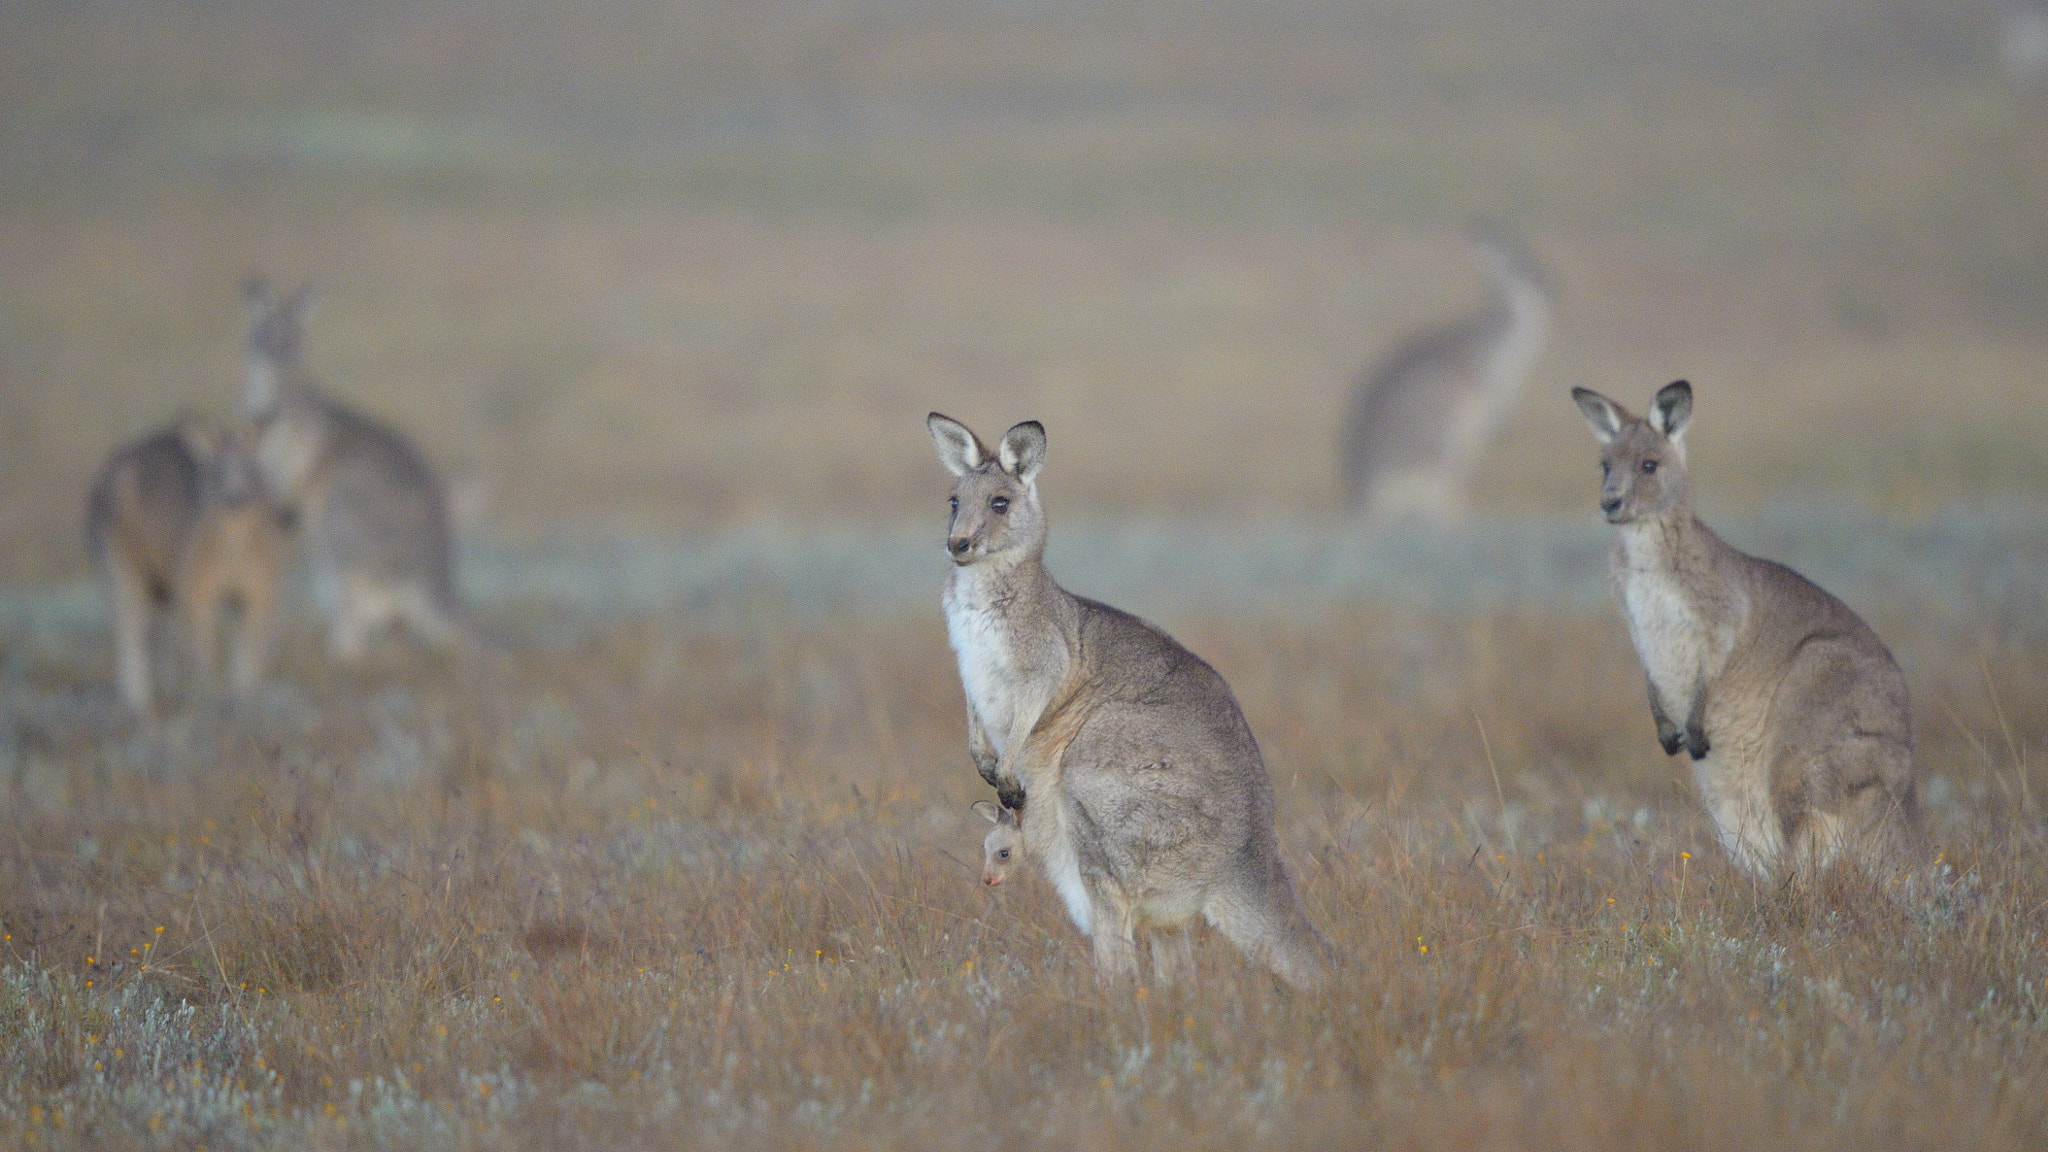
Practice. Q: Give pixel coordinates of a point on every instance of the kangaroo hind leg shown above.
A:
(1116, 945)
(134, 609)
(1173, 956)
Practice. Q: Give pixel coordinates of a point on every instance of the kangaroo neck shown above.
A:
(1520, 322)
(1673, 543)
(1014, 585)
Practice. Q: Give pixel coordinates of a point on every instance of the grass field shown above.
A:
(667, 291)
(705, 873)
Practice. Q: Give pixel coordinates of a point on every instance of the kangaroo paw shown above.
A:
(1667, 735)
(1696, 744)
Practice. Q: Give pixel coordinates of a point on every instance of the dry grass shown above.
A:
(709, 880)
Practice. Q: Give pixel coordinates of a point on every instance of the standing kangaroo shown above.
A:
(372, 514)
(1794, 712)
(1148, 803)
(1421, 417)
(179, 519)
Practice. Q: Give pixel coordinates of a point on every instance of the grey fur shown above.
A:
(1140, 789)
(1421, 417)
(1794, 713)
(373, 516)
(179, 520)
(1003, 848)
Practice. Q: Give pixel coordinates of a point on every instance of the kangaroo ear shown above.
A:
(959, 449)
(1603, 414)
(989, 811)
(1024, 450)
(1671, 411)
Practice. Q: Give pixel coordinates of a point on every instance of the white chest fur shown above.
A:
(983, 640)
(1680, 648)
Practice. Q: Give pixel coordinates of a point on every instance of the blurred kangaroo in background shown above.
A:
(179, 519)
(1794, 712)
(372, 515)
(1421, 417)
(1148, 802)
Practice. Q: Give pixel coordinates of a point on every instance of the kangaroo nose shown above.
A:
(1609, 503)
(958, 545)
(989, 880)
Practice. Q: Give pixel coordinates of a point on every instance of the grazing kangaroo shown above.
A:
(1794, 712)
(1149, 804)
(372, 514)
(179, 518)
(1420, 418)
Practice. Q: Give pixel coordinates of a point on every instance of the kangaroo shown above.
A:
(1003, 848)
(1419, 419)
(1793, 711)
(177, 519)
(373, 515)
(1148, 802)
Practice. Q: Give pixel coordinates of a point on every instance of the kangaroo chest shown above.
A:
(1006, 672)
(1668, 638)
(1678, 633)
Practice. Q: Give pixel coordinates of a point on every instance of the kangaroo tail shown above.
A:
(1268, 924)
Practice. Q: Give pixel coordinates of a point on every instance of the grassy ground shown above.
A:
(711, 877)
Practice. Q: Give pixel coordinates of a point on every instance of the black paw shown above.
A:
(1671, 740)
(1696, 744)
(1010, 795)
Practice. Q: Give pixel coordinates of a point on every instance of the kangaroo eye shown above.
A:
(999, 505)
(1649, 466)
(1003, 855)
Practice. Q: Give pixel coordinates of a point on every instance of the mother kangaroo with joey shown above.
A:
(1793, 711)
(1133, 778)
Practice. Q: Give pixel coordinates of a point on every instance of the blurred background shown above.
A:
(639, 270)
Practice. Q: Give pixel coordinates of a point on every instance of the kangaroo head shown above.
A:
(996, 514)
(1642, 461)
(1003, 847)
(229, 475)
(233, 478)
(276, 344)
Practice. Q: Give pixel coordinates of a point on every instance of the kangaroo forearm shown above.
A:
(1696, 725)
(1668, 734)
